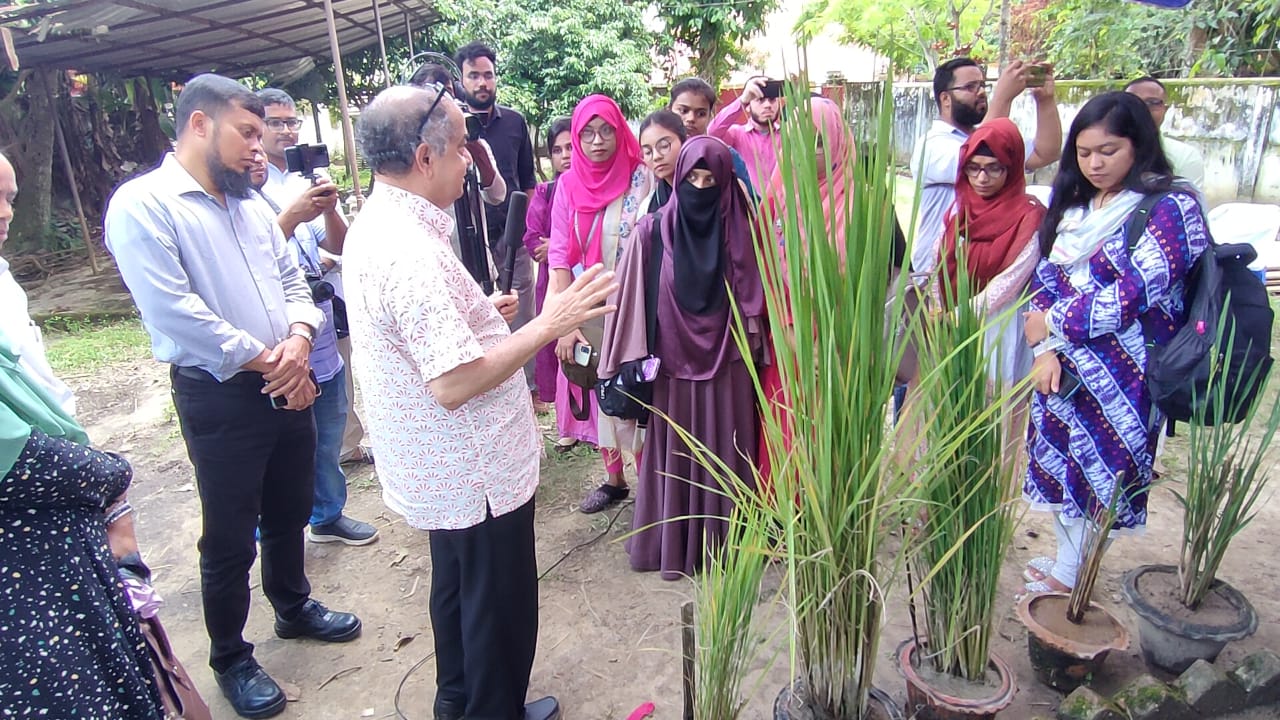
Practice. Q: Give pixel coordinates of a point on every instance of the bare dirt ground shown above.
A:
(609, 637)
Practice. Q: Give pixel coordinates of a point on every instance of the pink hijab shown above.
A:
(837, 142)
(589, 186)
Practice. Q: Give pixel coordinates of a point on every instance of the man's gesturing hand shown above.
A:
(583, 300)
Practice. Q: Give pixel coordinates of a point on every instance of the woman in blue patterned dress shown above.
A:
(1090, 300)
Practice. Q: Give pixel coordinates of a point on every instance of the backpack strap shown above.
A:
(1137, 221)
(652, 278)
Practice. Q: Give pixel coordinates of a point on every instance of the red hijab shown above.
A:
(590, 186)
(997, 228)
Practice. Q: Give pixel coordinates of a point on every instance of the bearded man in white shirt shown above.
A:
(446, 402)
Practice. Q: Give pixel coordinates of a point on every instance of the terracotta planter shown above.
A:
(1062, 656)
(1173, 644)
(792, 704)
(926, 702)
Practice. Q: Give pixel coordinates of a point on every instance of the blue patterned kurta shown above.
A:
(1078, 447)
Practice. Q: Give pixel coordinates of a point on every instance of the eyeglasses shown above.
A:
(994, 172)
(1153, 102)
(439, 96)
(589, 134)
(662, 147)
(974, 87)
(278, 124)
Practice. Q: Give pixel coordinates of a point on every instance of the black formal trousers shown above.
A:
(484, 613)
(255, 469)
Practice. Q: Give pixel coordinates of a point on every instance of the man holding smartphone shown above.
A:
(307, 212)
(756, 139)
(960, 90)
(228, 308)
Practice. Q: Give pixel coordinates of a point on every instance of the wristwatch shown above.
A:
(305, 334)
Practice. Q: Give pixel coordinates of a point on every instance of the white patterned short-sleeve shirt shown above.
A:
(416, 314)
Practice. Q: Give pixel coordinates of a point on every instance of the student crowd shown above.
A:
(638, 255)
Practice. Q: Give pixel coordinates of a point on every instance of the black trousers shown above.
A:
(255, 469)
(484, 612)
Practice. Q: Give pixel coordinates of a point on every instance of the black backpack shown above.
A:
(1178, 372)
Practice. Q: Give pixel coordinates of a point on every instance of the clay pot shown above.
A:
(792, 704)
(1061, 657)
(926, 702)
(1173, 644)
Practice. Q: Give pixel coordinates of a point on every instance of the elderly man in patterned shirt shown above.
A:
(446, 403)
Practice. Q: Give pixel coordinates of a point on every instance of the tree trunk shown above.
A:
(153, 143)
(33, 159)
(1004, 33)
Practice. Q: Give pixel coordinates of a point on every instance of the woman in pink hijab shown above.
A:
(597, 204)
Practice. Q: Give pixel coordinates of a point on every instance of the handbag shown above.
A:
(178, 693)
(628, 395)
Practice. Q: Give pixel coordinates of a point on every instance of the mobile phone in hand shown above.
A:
(1068, 384)
(1037, 74)
(772, 89)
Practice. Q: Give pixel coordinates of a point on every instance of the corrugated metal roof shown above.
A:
(234, 37)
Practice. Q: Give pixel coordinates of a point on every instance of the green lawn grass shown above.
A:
(77, 347)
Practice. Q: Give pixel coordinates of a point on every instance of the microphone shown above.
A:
(512, 238)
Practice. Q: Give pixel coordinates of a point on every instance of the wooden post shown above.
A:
(688, 649)
(71, 180)
(382, 43)
(348, 135)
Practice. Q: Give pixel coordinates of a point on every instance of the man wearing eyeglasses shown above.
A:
(1187, 161)
(960, 91)
(308, 215)
(507, 133)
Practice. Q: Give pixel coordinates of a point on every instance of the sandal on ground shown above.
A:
(565, 444)
(1038, 569)
(1039, 586)
(602, 497)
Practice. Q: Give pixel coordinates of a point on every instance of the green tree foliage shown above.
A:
(916, 35)
(551, 53)
(1119, 39)
(713, 32)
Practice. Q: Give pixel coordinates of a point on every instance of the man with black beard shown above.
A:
(960, 91)
(228, 308)
(508, 136)
(756, 138)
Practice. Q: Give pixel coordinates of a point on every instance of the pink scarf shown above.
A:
(589, 186)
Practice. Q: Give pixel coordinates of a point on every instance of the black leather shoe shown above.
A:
(548, 708)
(319, 623)
(447, 711)
(250, 690)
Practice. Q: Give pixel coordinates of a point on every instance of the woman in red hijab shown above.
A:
(597, 204)
(994, 220)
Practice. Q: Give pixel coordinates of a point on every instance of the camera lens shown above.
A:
(321, 291)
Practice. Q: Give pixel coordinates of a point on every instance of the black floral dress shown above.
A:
(70, 646)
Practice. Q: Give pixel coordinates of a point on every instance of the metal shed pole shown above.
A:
(71, 179)
(382, 42)
(348, 135)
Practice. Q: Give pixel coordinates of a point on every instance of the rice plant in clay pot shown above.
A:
(1068, 635)
(1187, 612)
(835, 493)
(966, 523)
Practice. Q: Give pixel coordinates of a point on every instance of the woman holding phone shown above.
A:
(1093, 431)
(597, 203)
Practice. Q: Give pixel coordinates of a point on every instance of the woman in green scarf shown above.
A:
(70, 645)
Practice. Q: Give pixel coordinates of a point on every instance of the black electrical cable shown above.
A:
(580, 546)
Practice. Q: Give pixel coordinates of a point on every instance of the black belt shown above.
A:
(244, 377)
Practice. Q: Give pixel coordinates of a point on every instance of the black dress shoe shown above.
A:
(319, 623)
(250, 690)
(447, 711)
(548, 708)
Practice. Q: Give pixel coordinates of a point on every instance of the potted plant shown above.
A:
(1187, 612)
(966, 523)
(835, 490)
(1068, 635)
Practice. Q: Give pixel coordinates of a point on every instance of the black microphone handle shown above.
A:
(512, 238)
